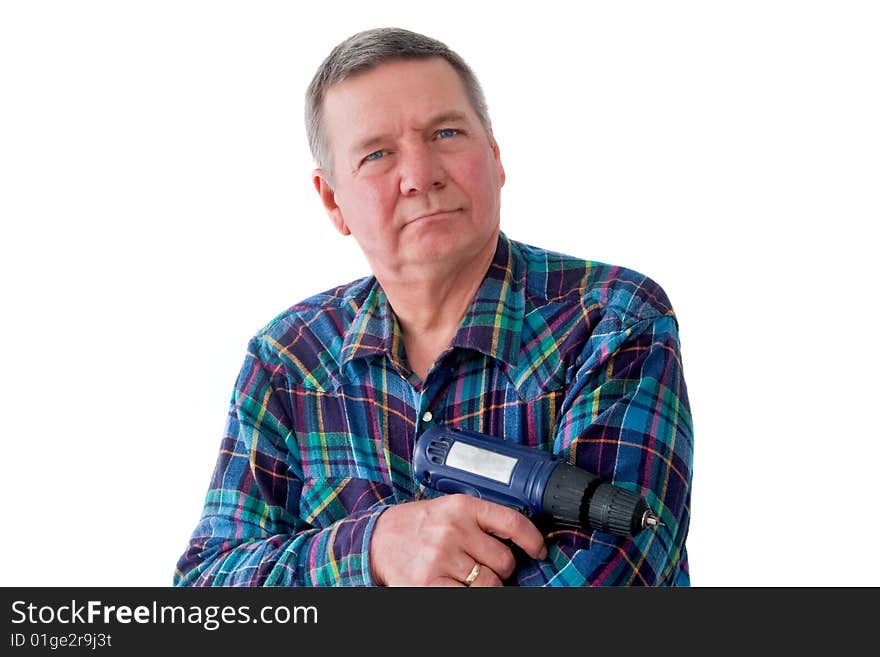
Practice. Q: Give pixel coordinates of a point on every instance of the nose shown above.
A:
(420, 170)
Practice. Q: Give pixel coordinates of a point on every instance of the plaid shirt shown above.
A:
(578, 357)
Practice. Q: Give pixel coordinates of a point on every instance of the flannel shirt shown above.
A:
(578, 357)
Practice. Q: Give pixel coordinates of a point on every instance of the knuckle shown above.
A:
(464, 502)
(431, 554)
(444, 534)
(455, 502)
(512, 521)
(507, 563)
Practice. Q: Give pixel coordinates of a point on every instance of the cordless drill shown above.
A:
(539, 484)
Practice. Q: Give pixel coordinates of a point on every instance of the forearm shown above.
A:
(228, 553)
(627, 420)
(263, 523)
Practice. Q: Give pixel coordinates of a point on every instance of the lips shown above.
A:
(435, 214)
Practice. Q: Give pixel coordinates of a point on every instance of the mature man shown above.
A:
(458, 324)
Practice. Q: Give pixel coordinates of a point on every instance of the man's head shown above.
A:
(411, 168)
(365, 51)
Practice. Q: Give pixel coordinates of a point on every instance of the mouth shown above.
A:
(436, 214)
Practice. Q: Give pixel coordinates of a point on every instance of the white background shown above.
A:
(157, 210)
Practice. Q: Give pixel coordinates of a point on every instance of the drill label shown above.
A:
(481, 462)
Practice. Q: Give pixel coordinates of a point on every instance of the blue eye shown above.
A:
(447, 132)
(374, 156)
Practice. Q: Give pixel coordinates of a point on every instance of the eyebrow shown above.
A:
(452, 116)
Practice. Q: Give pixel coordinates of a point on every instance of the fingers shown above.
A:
(438, 542)
(484, 578)
(486, 549)
(507, 523)
(488, 524)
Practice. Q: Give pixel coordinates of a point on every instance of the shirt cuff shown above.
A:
(340, 555)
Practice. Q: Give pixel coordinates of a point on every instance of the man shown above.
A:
(458, 324)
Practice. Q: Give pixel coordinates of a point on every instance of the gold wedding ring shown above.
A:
(475, 572)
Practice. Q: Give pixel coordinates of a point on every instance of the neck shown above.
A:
(430, 303)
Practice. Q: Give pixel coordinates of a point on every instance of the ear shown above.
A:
(328, 198)
(497, 153)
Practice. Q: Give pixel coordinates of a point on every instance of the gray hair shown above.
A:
(367, 50)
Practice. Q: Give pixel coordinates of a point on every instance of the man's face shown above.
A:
(416, 179)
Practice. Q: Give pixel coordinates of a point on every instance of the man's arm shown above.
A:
(626, 418)
(251, 532)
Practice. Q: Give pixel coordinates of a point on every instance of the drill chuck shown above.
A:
(575, 498)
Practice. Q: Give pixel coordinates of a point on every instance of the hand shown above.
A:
(437, 542)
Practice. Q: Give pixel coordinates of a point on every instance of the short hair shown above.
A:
(367, 50)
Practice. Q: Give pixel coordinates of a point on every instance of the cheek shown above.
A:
(381, 195)
(480, 177)
(368, 204)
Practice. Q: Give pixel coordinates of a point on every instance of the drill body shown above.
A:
(539, 484)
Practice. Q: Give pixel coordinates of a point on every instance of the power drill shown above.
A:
(539, 484)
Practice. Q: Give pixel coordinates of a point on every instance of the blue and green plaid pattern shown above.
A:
(578, 357)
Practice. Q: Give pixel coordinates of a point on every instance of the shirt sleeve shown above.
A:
(626, 418)
(251, 532)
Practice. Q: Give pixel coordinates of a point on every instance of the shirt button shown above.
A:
(427, 417)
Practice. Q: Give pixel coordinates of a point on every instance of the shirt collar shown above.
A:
(492, 324)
